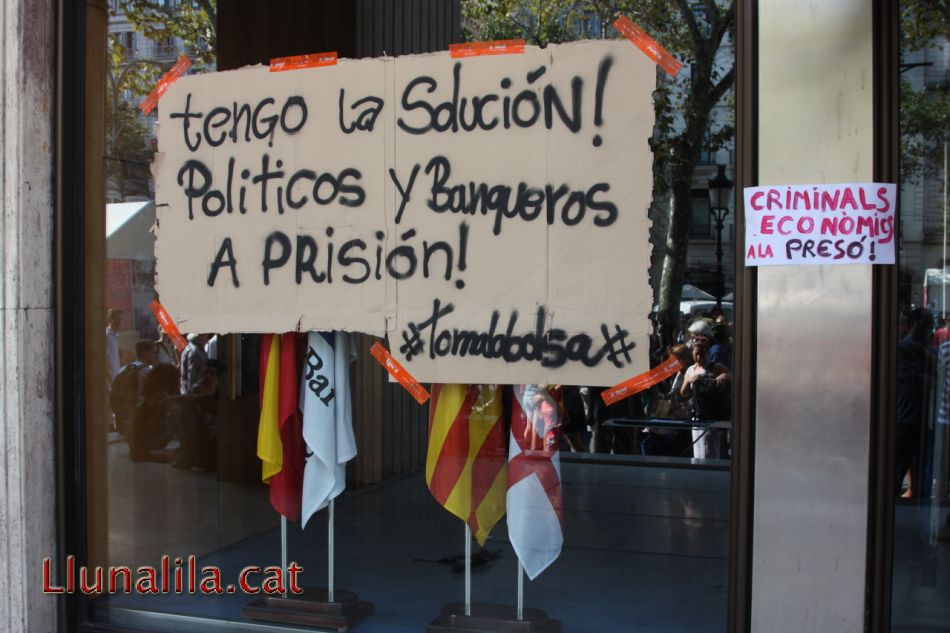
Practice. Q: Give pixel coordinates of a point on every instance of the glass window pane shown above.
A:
(921, 516)
(643, 485)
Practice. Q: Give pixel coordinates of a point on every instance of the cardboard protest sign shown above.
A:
(487, 214)
(820, 224)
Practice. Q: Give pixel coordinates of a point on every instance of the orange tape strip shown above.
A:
(644, 381)
(498, 47)
(165, 320)
(397, 371)
(648, 45)
(179, 69)
(296, 62)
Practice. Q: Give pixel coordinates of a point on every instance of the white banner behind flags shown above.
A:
(534, 480)
(327, 419)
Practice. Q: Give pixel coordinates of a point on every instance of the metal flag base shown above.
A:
(310, 608)
(491, 618)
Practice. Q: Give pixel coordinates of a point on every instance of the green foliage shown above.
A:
(191, 22)
(130, 77)
(129, 150)
(693, 31)
(922, 21)
(925, 129)
(925, 112)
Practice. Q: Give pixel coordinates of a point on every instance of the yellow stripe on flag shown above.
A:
(446, 402)
(270, 450)
(490, 511)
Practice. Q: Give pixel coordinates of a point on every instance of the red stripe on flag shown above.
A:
(286, 487)
(289, 382)
(453, 454)
(489, 461)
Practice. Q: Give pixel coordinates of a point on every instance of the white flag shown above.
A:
(534, 479)
(327, 419)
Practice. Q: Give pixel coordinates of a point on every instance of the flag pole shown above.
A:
(283, 552)
(520, 591)
(330, 550)
(468, 570)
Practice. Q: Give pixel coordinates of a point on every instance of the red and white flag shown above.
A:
(327, 418)
(534, 479)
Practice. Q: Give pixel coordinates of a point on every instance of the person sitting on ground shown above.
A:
(154, 422)
(125, 391)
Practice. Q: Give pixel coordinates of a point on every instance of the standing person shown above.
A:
(699, 329)
(664, 441)
(941, 334)
(197, 406)
(113, 323)
(916, 371)
(167, 354)
(721, 350)
(194, 367)
(706, 383)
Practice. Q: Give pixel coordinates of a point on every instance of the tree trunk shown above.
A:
(687, 150)
(675, 259)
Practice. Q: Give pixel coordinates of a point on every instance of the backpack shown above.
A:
(124, 393)
(709, 401)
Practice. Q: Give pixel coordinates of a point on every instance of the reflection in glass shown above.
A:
(922, 506)
(642, 490)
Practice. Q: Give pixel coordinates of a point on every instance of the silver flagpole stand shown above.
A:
(490, 618)
(283, 552)
(468, 570)
(330, 551)
(520, 592)
(314, 607)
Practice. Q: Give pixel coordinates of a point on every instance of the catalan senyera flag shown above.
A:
(270, 449)
(534, 479)
(466, 459)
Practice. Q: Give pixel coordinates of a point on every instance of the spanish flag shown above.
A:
(466, 461)
(280, 437)
(270, 450)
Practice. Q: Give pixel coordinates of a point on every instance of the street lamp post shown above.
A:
(720, 189)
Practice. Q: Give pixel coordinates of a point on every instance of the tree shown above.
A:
(130, 77)
(128, 146)
(193, 23)
(694, 32)
(925, 113)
